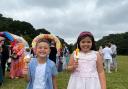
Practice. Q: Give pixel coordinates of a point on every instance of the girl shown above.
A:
(42, 71)
(87, 71)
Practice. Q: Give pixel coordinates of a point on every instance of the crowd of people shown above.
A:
(41, 65)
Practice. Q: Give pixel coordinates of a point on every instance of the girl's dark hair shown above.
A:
(82, 36)
(42, 40)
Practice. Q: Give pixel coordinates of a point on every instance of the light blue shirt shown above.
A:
(50, 71)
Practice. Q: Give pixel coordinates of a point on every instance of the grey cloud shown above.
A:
(67, 18)
(117, 15)
(113, 11)
(47, 3)
(9, 5)
(103, 3)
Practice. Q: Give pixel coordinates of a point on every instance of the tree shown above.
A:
(42, 31)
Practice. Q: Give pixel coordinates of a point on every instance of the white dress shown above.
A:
(86, 75)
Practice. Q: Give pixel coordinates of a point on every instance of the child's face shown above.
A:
(42, 49)
(86, 44)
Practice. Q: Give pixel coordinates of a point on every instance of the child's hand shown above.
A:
(75, 65)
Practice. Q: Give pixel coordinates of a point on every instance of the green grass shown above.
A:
(115, 80)
(119, 80)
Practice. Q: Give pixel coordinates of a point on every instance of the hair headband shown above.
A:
(85, 33)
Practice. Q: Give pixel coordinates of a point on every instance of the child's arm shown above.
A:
(54, 82)
(100, 70)
(27, 75)
(54, 74)
(72, 64)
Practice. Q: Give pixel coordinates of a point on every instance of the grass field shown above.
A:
(115, 80)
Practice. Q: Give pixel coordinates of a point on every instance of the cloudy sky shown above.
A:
(67, 18)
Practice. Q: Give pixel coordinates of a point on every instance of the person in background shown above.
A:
(101, 53)
(4, 56)
(41, 70)
(101, 50)
(107, 52)
(9, 60)
(1, 74)
(114, 54)
(65, 56)
(86, 66)
(53, 53)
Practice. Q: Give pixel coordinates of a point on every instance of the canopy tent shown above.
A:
(47, 36)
